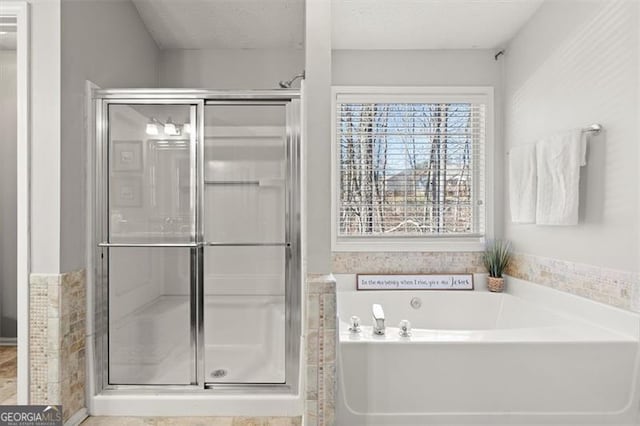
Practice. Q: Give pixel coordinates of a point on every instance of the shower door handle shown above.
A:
(142, 245)
(193, 245)
(247, 244)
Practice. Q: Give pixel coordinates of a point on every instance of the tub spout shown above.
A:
(378, 319)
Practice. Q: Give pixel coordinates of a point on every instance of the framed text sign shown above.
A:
(415, 282)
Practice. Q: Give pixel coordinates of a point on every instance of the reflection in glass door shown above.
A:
(150, 243)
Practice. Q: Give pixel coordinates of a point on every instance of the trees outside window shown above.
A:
(409, 169)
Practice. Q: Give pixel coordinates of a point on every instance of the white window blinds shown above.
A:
(413, 169)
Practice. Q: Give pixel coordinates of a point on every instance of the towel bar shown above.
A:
(595, 128)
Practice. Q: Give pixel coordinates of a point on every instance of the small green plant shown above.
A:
(496, 257)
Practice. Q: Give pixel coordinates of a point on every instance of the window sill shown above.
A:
(463, 244)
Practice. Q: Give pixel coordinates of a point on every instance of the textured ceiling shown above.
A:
(224, 24)
(356, 24)
(427, 24)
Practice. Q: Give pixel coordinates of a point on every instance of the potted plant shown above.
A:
(496, 258)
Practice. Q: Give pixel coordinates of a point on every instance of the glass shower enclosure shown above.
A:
(197, 240)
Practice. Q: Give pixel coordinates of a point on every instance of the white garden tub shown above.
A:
(530, 356)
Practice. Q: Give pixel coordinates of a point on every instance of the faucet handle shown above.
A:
(405, 328)
(355, 324)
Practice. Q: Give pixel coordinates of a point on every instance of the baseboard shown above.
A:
(8, 341)
(77, 418)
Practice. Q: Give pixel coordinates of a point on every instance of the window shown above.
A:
(409, 168)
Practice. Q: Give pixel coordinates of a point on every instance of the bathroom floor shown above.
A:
(8, 374)
(193, 421)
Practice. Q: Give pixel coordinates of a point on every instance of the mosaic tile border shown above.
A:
(57, 316)
(406, 262)
(613, 287)
(320, 350)
(44, 321)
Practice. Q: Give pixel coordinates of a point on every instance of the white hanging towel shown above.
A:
(559, 159)
(522, 183)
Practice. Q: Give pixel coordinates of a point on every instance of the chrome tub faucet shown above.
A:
(378, 319)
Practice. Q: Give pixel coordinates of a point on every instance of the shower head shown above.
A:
(287, 84)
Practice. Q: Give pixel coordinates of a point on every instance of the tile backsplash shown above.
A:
(613, 287)
(406, 262)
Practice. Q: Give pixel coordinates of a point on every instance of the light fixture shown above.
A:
(186, 127)
(3, 33)
(152, 127)
(170, 128)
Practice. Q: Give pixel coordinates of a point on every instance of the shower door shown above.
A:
(246, 241)
(198, 240)
(149, 242)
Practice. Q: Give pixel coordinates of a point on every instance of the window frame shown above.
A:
(423, 94)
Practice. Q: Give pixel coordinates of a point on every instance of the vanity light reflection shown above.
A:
(169, 128)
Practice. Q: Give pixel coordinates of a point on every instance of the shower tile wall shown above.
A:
(613, 287)
(57, 340)
(320, 350)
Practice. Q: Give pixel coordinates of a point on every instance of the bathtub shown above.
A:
(532, 355)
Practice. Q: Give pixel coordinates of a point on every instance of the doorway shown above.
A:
(14, 257)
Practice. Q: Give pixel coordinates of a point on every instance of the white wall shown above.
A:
(574, 64)
(229, 68)
(317, 136)
(416, 67)
(8, 202)
(105, 42)
(45, 135)
(430, 68)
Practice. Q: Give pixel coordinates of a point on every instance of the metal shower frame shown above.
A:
(197, 99)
